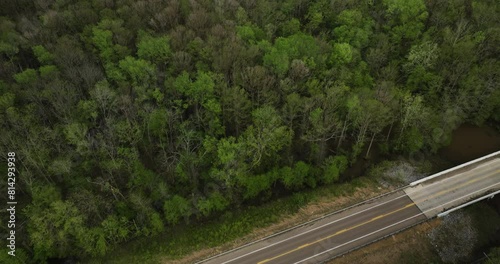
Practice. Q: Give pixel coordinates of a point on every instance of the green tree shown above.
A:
(28, 76)
(139, 71)
(216, 202)
(297, 177)
(235, 109)
(55, 227)
(176, 208)
(154, 49)
(333, 167)
(372, 117)
(260, 85)
(354, 28)
(324, 117)
(103, 41)
(256, 185)
(115, 229)
(76, 135)
(412, 111)
(291, 27)
(43, 55)
(297, 46)
(341, 54)
(267, 136)
(10, 39)
(230, 163)
(406, 18)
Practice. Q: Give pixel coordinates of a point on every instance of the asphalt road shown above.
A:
(342, 232)
(333, 236)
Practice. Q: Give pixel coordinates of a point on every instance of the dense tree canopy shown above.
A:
(128, 116)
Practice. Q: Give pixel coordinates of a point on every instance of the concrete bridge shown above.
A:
(455, 188)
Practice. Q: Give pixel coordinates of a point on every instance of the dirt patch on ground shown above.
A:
(312, 211)
(409, 246)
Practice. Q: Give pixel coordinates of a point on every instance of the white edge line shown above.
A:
(465, 195)
(449, 178)
(321, 253)
(302, 224)
(461, 197)
(311, 230)
(410, 191)
(354, 240)
(454, 168)
(490, 195)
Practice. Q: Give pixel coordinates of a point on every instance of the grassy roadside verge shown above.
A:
(186, 243)
(411, 246)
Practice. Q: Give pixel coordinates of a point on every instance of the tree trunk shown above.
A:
(370, 146)
(389, 134)
(342, 134)
(362, 133)
(321, 151)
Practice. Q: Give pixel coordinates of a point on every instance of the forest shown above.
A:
(130, 116)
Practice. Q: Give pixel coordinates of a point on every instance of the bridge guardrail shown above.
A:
(454, 168)
(490, 195)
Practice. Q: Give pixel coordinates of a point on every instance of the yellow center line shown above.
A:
(455, 187)
(375, 218)
(338, 233)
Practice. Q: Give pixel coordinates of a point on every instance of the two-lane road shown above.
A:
(342, 232)
(320, 240)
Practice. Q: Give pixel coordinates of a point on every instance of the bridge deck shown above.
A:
(439, 195)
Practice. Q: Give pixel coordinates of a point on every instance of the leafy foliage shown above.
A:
(156, 50)
(129, 118)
